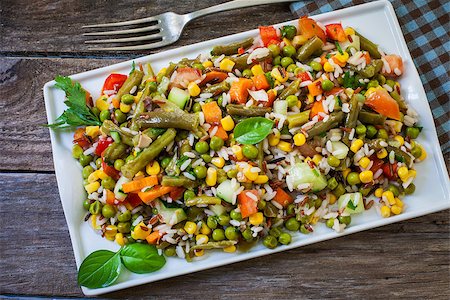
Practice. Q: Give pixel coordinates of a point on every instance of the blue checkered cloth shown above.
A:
(425, 25)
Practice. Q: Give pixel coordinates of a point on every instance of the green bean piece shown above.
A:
(369, 46)
(179, 181)
(291, 89)
(149, 70)
(375, 144)
(320, 127)
(401, 102)
(312, 46)
(203, 200)
(232, 48)
(371, 118)
(352, 118)
(217, 88)
(371, 69)
(169, 119)
(140, 106)
(134, 79)
(213, 245)
(115, 151)
(401, 154)
(125, 137)
(242, 110)
(299, 119)
(241, 61)
(148, 154)
(260, 157)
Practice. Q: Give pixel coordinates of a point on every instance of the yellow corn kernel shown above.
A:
(389, 197)
(256, 218)
(119, 239)
(153, 168)
(424, 153)
(250, 175)
(274, 139)
(125, 108)
(237, 151)
(412, 173)
(207, 64)
(101, 103)
(227, 64)
(342, 57)
(201, 238)
(140, 232)
(287, 42)
(139, 174)
(257, 70)
(211, 176)
(356, 145)
(379, 192)
(284, 146)
(364, 162)
(396, 210)
(317, 158)
(366, 176)
(299, 40)
(399, 139)
(199, 252)
(332, 199)
(385, 211)
(327, 67)
(218, 162)
(399, 202)
(299, 139)
(110, 232)
(193, 89)
(349, 31)
(402, 173)
(310, 99)
(92, 131)
(230, 249)
(345, 172)
(227, 123)
(277, 75)
(190, 227)
(138, 97)
(382, 153)
(205, 229)
(261, 179)
(92, 187)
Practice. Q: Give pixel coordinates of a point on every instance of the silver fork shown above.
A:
(168, 27)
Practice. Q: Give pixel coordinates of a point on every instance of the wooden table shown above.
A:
(40, 39)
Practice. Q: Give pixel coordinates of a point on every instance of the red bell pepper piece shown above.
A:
(132, 201)
(110, 171)
(304, 76)
(81, 139)
(268, 35)
(336, 32)
(390, 171)
(176, 193)
(102, 145)
(114, 82)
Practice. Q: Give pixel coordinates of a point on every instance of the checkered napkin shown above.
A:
(425, 25)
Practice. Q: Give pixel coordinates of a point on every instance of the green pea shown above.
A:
(277, 61)
(330, 223)
(170, 251)
(292, 100)
(188, 194)
(87, 171)
(77, 151)
(98, 163)
(95, 208)
(353, 178)
(371, 131)
(327, 85)
(165, 162)
(304, 229)
(247, 73)
(373, 83)
(125, 216)
(218, 234)
(124, 227)
(206, 158)
(360, 129)
(316, 66)
(209, 100)
(289, 51)
(262, 204)
(120, 116)
(290, 209)
(232, 173)
(292, 224)
(202, 147)
(416, 152)
(333, 161)
(223, 220)
(85, 159)
(285, 238)
(216, 143)
(247, 234)
(235, 215)
(394, 189)
(410, 189)
(250, 151)
(108, 183)
(274, 50)
(345, 220)
(196, 107)
(275, 231)
(291, 68)
(200, 172)
(270, 242)
(382, 134)
(86, 204)
(211, 222)
(154, 211)
(231, 233)
(198, 66)
(118, 163)
(108, 211)
(152, 86)
(127, 99)
(286, 61)
(412, 132)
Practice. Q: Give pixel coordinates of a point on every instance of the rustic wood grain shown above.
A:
(407, 259)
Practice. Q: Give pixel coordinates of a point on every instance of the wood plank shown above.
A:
(407, 259)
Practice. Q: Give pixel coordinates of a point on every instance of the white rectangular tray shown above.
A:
(432, 193)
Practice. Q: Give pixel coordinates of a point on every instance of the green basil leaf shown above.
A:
(100, 269)
(252, 130)
(142, 258)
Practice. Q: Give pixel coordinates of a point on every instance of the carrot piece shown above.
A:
(153, 237)
(155, 192)
(110, 197)
(394, 62)
(220, 132)
(116, 102)
(247, 205)
(214, 77)
(323, 59)
(272, 96)
(212, 112)
(338, 62)
(381, 102)
(315, 88)
(239, 90)
(176, 194)
(138, 184)
(283, 198)
(316, 109)
(132, 201)
(367, 57)
(268, 35)
(309, 28)
(260, 82)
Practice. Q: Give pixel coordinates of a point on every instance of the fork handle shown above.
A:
(229, 6)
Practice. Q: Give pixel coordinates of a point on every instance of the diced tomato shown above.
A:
(304, 76)
(185, 75)
(269, 35)
(377, 163)
(176, 193)
(114, 82)
(381, 102)
(81, 139)
(102, 145)
(309, 28)
(390, 171)
(394, 62)
(241, 50)
(132, 201)
(110, 171)
(336, 32)
(247, 205)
